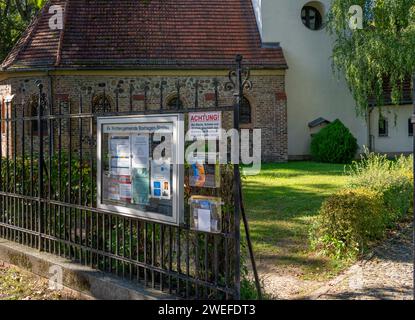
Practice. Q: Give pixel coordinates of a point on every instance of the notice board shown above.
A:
(140, 166)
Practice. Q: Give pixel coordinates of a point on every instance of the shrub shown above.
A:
(334, 144)
(348, 221)
(378, 195)
(393, 180)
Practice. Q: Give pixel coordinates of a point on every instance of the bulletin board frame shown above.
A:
(176, 120)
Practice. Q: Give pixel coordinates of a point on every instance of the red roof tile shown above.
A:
(145, 33)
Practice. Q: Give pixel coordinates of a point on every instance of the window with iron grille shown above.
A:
(101, 104)
(311, 18)
(175, 103)
(34, 112)
(245, 113)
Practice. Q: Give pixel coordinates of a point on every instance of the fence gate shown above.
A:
(48, 194)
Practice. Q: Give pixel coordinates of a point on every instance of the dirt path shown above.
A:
(386, 274)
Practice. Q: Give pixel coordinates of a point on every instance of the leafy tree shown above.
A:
(15, 15)
(383, 49)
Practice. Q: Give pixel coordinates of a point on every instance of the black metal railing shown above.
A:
(48, 193)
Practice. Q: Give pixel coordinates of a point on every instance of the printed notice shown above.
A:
(205, 125)
(125, 189)
(120, 155)
(141, 186)
(160, 180)
(140, 151)
(203, 220)
(119, 189)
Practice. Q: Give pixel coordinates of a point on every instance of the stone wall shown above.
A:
(267, 99)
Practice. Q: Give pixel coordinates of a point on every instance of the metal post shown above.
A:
(241, 83)
(40, 166)
(237, 182)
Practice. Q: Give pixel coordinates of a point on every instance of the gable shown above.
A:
(159, 34)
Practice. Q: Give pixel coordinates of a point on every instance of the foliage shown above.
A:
(392, 179)
(334, 144)
(378, 196)
(348, 220)
(15, 15)
(62, 179)
(382, 49)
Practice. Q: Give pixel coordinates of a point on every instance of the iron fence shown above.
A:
(48, 200)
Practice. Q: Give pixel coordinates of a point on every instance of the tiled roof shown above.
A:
(145, 33)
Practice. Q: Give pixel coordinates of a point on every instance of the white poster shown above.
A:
(140, 151)
(120, 155)
(205, 125)
(203, 220)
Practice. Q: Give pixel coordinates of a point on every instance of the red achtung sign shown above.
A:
(205, 125)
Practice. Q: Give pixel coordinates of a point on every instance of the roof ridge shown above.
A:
(25, 38)
(62, 35)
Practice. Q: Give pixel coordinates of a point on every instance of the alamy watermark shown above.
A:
(56, 278)
(56, 20)
(356, 17)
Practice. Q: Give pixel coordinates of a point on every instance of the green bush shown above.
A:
(393, 180)
(64, 183)
(348, 221)
(334, 144)
(378, 196)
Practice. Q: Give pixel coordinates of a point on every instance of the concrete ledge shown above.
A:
(85, 280)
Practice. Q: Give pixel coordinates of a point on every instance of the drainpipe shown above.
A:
(369, 128)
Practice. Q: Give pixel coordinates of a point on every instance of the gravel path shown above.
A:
(386, 275)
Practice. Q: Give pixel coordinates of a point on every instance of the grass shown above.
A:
(280, 203)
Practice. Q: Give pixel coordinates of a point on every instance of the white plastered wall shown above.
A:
(312, 89)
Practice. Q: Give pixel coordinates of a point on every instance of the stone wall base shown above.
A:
(82, 279)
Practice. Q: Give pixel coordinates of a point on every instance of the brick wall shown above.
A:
(267, 99)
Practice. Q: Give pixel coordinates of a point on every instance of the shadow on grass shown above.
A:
(310, 264)
(279, 211)
(286, 202)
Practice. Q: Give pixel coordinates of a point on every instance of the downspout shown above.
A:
(369, 129)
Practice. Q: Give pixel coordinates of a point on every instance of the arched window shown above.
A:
(245, 112)
(175, 103)
(311, 17)
(34, 112)
(101, 104)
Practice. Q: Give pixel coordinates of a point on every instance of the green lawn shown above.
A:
(280, 203)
